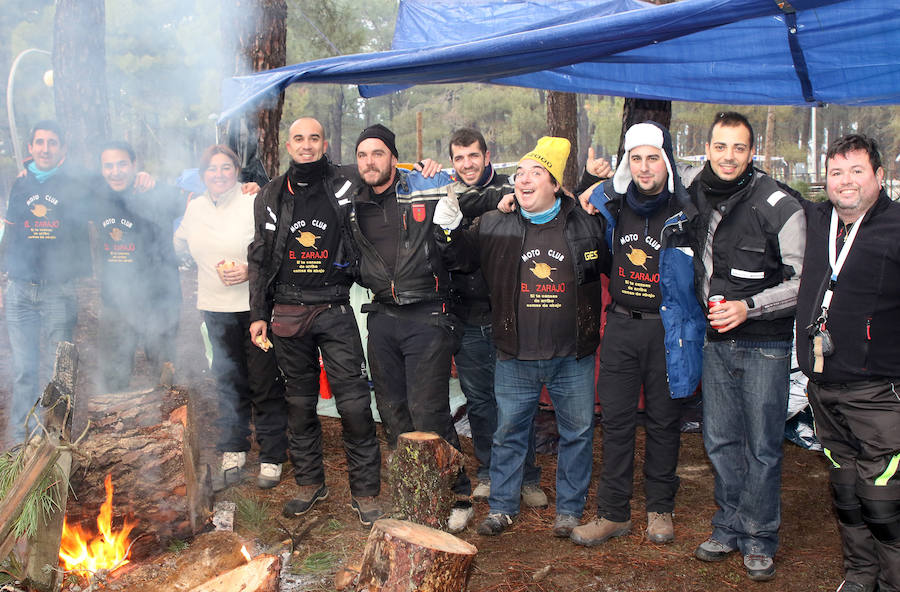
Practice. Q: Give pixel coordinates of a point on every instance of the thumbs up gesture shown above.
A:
(447, 214)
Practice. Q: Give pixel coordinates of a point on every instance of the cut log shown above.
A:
(402, 556)
(260, 575)
(422, 471)
(140, 441)
(210, 554)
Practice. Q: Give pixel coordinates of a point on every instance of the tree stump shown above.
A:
(422, 471)
(402, 556)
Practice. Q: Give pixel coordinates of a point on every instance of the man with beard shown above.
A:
(654, 333)
(301, 264)
(751, 236)
(140, 291)
(45, 251)
(412, 334)
(848, 313)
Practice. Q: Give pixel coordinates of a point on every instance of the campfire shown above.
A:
(80, 551)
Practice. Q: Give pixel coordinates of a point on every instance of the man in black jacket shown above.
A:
(751, 235)
(301, 264)
(848, 314)
(411, 331)
(543, 265)
(475, 358)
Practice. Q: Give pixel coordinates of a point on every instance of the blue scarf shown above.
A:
(644, 205)
(40, 175)
(545, 216)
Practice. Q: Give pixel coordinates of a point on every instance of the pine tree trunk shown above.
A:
(79, 78)
(258, 32)
(639, 110)
(562, 122)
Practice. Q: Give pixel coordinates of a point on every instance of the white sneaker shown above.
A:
(269, 475)
(482, 491)
(232, 463)
(459, 517)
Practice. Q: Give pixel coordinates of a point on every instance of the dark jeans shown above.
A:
(120, 333)
(249, 384)
(475, 362)
(745, 391)
(410, 362)
(335, 334)
(633, 354)
(35, 312)
(858, 425)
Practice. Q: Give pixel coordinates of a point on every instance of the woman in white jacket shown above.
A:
(216, 230)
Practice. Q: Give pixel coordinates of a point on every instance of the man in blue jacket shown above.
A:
(654, 333)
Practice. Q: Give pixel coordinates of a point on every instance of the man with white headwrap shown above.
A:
(654, 327)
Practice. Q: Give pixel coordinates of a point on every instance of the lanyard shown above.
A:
(837, 262)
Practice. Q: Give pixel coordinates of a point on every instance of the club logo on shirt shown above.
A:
(116, 234)
(542, 271)
(418, 210)
(638, 257)
(40, 210)
(307, 239)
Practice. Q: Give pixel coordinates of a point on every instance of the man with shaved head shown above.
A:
(301, 264)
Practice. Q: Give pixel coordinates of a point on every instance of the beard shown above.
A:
(382, 176)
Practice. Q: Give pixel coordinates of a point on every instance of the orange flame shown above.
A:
(82, 551)
(246, 554)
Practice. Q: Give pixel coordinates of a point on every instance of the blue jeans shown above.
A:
(35, 311)
(475, 362)
(517, 386)
(745, 391)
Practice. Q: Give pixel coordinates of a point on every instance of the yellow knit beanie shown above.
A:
(552, 153)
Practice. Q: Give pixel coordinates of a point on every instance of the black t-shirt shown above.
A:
(314, 239)
(634, 281)
(379, 221)
(546, 308)
(137, 262)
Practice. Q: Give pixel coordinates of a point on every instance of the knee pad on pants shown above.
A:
(883, 519)
(847, 504)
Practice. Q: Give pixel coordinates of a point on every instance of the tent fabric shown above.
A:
(714, 51)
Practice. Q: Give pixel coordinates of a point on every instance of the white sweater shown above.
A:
(212, 232)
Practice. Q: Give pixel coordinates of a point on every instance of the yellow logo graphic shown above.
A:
(40, 210)
(591, 255)
(116, 234)
(638, 257)
(307, 239)
(542, 271)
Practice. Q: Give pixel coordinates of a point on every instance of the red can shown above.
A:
(715, 300)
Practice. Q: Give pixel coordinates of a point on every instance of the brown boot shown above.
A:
(598, 531)
(660, 528)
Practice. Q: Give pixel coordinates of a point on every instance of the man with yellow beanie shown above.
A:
(543, 264)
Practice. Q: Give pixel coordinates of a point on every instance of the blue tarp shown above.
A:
(715, 51)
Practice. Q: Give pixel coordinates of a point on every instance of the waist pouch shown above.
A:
(294, 320)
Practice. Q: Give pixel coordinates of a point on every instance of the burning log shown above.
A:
(142, 441)
(402, 556)
(422, 471)
(210, 555)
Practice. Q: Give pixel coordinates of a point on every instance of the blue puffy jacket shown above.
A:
(683, 318)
